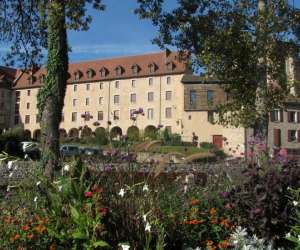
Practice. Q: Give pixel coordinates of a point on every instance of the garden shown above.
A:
(246, 205)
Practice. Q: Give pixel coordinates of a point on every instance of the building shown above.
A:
(7, 76)
(144, 93)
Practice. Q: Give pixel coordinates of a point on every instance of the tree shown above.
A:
(244, 43)
(34, 25)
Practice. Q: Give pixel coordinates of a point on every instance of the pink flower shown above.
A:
(88, 194)
(283, 153)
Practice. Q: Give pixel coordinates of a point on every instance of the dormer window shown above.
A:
(104, 72)
(90, 73)
(170, 66)
(42, 78)
(31, 80)
(152, 67)
(78, 75)
(119, 70)
(135, 69)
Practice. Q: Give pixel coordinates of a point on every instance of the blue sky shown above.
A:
(115, 32)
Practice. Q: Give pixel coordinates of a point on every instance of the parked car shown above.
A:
(90, 151)
(68, 150)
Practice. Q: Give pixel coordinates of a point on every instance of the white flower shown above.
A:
(125, 247)
(9, 165)
(145, 188)
(10, 175)
(185, 188)
(288, 235)
(35, 199)
(298, 236)
(26, 156)
(67, 168)
(59, 188)
(148, 227)
(38, 183)
(145, 217)
(295, 203)
(122, 192)
(16, 167)
(8, 189)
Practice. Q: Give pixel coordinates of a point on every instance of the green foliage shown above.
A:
(133, 133)
(207, 145)
(231, 41)
(151, 132)
(10, 141)
(101, 136)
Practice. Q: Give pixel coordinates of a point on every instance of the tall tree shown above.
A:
(243, 43)
(34, 25)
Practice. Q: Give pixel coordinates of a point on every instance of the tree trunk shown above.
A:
(262, 121)
(51, 95)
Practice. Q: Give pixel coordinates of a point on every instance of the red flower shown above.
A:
(103, 211)
(88, 194)
(97, 189)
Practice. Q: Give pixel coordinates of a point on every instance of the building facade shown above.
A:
(143, 92)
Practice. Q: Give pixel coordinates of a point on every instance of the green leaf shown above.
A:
(100, 243)
(79, 235)
(74, 213)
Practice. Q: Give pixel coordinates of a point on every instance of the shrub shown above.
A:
(133, 133)
(101, 137)
(262, 199)
(207, 145)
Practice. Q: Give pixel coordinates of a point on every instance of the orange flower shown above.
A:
(225, 223)
(223, 244)
(209, 243)
(195, 222)
(213, 211)
(15, 237)
(29, 236)
(194, 202)
(214, 221)
(52, 246)
(25, 228)
(40, 229)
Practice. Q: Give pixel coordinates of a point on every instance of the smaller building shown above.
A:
(7, 76)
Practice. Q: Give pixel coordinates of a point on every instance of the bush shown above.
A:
(133, 133)
(207, 145)
(262, 200)
(101, 137)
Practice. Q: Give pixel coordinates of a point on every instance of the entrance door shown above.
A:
(218, 141)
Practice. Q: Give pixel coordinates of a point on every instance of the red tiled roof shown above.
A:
(7, 76)
(143, 61)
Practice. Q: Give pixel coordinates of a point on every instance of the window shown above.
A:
(293, 116)
(31, 80)
(87, 101)
(100, 100)
(135, 69)
(277, 137)
(116, 115)
(28, 93)
(37, 119)
(104, 72)
(293, 135)
(133, 98)
(193, 97)
(101, 85)
(170, 66)
(276, 116)
(74, 116)
(150, 81)
(169, 129)
(90, 73)
(42, 79)
(116, 99)
(75, 87)
(117, 84)
(87, 116)
(28, 105)
(168, 95)
(74, 102)
(152, 67)
(77, 75)
(119, 70)
(210, 97)
(168, 80)
(150, 96)
(27, 119)
(100, 115)
(150, 114)
(133, 83)
(88, 86)
(210, 116)
(168, 113)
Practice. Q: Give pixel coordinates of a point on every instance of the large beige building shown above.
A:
(145, 92)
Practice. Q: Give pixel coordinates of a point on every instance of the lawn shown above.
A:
(185, 150)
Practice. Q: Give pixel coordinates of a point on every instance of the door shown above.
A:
(218, 141)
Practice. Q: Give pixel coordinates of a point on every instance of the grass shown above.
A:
(185, 150)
